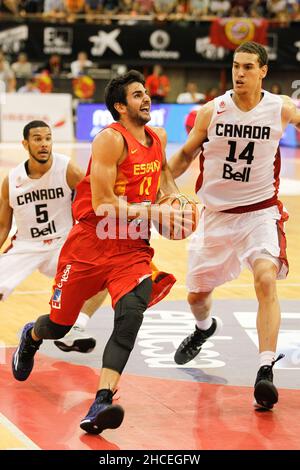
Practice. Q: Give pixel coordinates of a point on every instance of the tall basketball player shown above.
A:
(242, 220)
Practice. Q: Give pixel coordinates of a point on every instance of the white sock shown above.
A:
(82, 320)
(266, 358)
(204, 324)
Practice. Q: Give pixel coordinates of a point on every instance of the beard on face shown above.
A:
(138, 118)
(40, 161)
(37, 159)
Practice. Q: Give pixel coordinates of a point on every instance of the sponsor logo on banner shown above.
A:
(297, 44)
(20, 108)
(159, 40)
(272, 46)
(101, 119)
(206, 49)
(106, 40)
(11, 40)
(58, 40)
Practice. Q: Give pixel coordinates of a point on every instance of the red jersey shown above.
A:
(138, 175)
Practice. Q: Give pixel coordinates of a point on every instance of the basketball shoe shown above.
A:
(102, 414)
(265, 392)
(192, 344)
(76, 340)
(22, 360)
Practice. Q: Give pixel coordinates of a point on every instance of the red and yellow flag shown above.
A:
(231, 32)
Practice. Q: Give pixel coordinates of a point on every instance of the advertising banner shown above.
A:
(175, 118)
(177, 43)
(17, 109)
(91, 118)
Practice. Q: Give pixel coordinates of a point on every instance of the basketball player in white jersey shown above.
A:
(242, 222)
(38, 193)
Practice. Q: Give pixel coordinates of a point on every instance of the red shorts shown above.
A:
(88, 265)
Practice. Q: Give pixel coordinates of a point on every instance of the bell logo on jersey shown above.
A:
(49, 230)
(229, 174)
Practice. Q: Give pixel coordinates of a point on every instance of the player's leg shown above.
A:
(78, 339)
(15, 265)
(266, 244)
(129, 312)
(211, 262)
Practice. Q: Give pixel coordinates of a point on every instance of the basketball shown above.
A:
(188, 223)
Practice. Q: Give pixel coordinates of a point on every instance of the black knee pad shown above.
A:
(47, 329)
(129, 314)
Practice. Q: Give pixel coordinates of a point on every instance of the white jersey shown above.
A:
(41, 207)
(240, 161)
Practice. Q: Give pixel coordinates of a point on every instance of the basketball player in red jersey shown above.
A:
(243, 221)
(127, 162)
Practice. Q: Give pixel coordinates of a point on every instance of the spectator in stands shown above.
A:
(22, 68)
(239, 8)
(93, 6)
(7, 76)
(158, 85)
(211, 93)
(53, 66)
(277, 9)
(31, 6)
(73, 7)
(162, 8)
(55, 9)
(219, 8)
(191, 95)
(198, 8)
(276, 89)
(79, 66)
(125, 7)
(9, 6)
(257, 9)
(143, 7)
(29, 87)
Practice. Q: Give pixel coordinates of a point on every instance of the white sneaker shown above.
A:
(76, 340)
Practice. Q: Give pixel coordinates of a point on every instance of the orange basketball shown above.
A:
(188, 222)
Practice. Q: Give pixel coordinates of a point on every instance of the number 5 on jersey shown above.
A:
(42, 217)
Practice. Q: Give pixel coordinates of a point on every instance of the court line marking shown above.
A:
(18, 433)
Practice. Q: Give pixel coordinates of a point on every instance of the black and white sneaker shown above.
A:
(265, 392)
(192, 344)
(76, 340)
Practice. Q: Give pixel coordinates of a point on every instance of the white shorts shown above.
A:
(23, 258)
(224, 243)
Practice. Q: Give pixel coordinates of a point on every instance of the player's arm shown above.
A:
(167, 183)
(290, 113)
(182, 159)
(74, 175)
(107, 150)
(6, 212)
